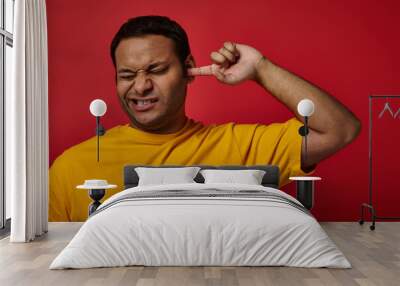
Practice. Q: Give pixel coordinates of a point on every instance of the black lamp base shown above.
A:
(303, 130)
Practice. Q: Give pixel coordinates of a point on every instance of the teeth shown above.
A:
(143, 102)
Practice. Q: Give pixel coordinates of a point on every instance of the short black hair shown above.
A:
(153, 25)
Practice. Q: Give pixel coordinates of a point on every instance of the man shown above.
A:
(153, 67)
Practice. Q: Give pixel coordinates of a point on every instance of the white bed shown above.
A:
(205, 230)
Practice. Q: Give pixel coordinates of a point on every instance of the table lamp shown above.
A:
(98, 108)
(305, 185)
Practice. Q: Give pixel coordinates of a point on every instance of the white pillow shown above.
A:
(248, 177)
(162, 176)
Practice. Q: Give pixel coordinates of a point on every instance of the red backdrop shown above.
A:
(349, 48)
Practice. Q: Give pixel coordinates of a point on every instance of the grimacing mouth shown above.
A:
(135, 101)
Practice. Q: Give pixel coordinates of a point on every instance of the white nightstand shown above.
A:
(97, 190)
(305, 190)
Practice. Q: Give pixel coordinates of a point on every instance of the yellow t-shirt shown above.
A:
(225, 144)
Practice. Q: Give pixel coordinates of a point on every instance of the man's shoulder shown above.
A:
(252, 127)
(235, 126)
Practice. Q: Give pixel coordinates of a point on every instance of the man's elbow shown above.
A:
(351, 131)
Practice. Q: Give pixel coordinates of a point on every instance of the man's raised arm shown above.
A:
(332, 125)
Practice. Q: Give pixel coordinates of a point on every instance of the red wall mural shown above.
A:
(348, 48)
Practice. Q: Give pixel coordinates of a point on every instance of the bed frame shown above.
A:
(305, 194)
(270, 179)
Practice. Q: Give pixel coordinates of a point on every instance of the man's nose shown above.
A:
(142, 83)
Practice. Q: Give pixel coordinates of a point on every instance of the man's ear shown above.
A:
(189, 63)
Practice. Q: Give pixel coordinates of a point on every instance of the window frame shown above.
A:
(6, 39)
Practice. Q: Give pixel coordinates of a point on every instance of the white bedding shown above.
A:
(182, 231)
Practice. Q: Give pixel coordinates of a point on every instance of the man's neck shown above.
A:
(165, 129)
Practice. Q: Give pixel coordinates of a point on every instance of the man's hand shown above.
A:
(232, 64)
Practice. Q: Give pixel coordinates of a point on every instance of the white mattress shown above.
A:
(200, 231)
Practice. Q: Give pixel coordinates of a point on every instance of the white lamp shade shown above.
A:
(305, 107)
(98, 107)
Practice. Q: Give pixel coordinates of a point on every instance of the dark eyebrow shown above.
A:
(151, 66)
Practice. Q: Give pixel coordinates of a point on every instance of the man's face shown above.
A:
(150, 82)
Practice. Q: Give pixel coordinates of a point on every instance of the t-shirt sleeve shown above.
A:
(59, 204)
(275, 144)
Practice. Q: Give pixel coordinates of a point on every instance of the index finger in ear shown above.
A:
(206, 70)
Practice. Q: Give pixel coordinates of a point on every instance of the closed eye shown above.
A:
(126, 77)
(159, 71)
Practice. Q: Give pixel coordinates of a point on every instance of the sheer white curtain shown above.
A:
(27, 124)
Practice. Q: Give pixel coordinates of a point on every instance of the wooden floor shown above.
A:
(374, 255)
